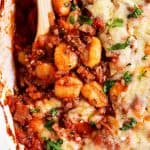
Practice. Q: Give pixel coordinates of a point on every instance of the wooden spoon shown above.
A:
(44, 7)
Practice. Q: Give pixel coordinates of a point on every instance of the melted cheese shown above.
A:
(103, 9)
(140, 89)
(138, 139)
(82, 112)
(90, 145)
(70, 145)
(46, 105)
(138, 29)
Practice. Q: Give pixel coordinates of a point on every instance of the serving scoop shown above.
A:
(44, 7)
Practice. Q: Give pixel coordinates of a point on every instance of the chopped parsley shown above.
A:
(62, 31)
(119, 46)
(129, 64)
(92, 124)
(85, 20)
(144, 57)
(53, 112)
(73, 7)
(117, 22)
(107, 85)
(71, 19)
(48, 124)
(69, 66)
(136, 13)
(35, 110)
(127, 77)
(142, 74)
(128, 125)
(54, 145)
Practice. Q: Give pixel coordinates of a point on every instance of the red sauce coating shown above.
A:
(37, 74)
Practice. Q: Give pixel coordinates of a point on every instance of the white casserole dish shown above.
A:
(7, 77)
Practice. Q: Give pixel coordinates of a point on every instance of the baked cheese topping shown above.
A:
(134, 101)
(85, 84)
(137, 29)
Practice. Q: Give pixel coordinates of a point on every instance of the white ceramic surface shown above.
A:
(7, 77)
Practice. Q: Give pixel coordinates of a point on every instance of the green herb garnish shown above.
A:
(142, 74)
(54, 145)
(117, 22)
(127, 77)
(107, 85)
(48, 124)
(136, 13)
(71, 19)
(53, 112)
(93, 124)
(119, 46)
(35, 110)
(62, 31)
(85, 20)
(73, 7)
(129, 64)
(144, 57)
(69, 66)
(128, 125)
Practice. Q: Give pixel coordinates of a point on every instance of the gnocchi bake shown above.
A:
(85, 84)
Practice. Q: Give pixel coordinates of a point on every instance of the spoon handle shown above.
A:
(44, 7)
